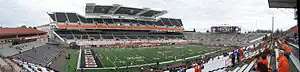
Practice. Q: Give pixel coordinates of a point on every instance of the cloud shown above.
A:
(199, 14)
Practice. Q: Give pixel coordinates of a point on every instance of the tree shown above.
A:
(30, 27)
(34, 27)
(277, 31)
(207, 31)
(23, 26)
(194, 30)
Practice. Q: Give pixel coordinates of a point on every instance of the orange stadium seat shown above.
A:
(99, 26)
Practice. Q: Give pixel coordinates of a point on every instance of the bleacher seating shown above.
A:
(121, 37)
(143, 37)
(115, 34)
(40, 55)
(132, 37)
(233, 39)
(107, 37)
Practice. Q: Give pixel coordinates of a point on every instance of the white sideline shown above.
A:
(243, 68)
(78, 60)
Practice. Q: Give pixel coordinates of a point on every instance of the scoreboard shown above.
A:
(225, 29)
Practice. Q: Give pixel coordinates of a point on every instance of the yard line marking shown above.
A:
(152, 63)
(171, 61)
(101, 60)
(110, 61)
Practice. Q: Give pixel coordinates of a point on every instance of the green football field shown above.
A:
(118, 57)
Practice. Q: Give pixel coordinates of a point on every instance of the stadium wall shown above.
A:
(108, 42)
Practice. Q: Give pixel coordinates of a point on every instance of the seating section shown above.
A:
(242, 39)
(132, 37)
(63, 17)
(40, 55)
(117, 34)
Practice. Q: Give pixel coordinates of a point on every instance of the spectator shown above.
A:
(232, 56)
(287, 50)
(196, 68)
(283, 64)
(238, 56)
(264, 60)
(256, 60)
(201, 66)
(262, 67)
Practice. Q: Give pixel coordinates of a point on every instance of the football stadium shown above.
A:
(119, 38)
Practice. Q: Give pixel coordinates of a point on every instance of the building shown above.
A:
(16, 40)
(111, 24)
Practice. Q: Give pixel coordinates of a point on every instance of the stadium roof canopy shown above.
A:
(117, 9)
(63, 17)
(17, 31)
(282, 3)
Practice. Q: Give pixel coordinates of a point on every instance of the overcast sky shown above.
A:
(199, 14)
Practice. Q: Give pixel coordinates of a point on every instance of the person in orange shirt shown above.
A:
(196, 68)
(287, 50)
(241, 53)
(283, 64)
(264, 60)
(201, 66)
(262, 67)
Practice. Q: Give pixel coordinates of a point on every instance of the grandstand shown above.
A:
(225, 37)
(18, 50)
(104, 24)
(17, 40)
(112, 26)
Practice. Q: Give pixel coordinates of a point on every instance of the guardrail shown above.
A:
(58, 36)
(293, 45)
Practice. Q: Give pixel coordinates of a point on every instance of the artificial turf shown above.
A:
(121, 57)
